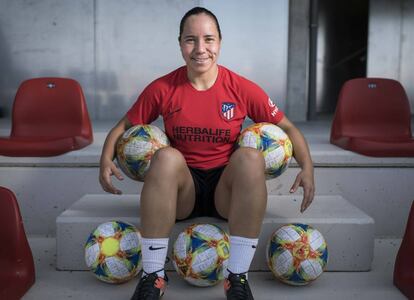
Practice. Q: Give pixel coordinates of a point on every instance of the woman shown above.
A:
(203, 106)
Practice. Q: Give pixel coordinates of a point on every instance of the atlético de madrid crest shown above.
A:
(228, 110)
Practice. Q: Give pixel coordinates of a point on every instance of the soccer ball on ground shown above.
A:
(297, 254)
(136, 147)
(274, 144)
(113, 252)
(200, 254)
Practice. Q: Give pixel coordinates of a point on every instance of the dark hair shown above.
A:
(196, 11)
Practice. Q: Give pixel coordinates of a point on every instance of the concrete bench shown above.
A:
(348, 231)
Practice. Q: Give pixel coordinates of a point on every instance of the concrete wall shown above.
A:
(391, 42)
(115, 48)
(297, 76)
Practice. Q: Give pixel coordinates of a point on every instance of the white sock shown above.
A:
(154, 253)
(241, 254)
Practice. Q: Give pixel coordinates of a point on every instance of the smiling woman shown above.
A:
(200, 42)
(203, 106)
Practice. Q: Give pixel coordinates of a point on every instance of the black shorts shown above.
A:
(205, 182)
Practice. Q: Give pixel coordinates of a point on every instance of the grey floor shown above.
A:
(376, 284)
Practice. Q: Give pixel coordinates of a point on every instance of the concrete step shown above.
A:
(362, 180)
(349, 231)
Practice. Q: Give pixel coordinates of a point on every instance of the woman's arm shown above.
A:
(107, 167)
(305, 178)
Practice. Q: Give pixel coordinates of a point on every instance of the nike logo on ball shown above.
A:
(155, 248)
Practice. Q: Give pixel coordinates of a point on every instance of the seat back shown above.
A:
(375, 108)
(404, 262)
(18, 272)
(11, 229)
(50, 107)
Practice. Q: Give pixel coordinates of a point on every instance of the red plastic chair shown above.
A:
(373, 118)
(49, 118)
(17, 273)
(404, 263)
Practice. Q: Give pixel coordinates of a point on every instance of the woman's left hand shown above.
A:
(305, 180)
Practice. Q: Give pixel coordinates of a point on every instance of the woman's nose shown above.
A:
(200, 46)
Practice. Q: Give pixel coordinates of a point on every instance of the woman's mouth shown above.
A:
(200, 60)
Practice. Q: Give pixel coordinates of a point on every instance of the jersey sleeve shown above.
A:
(147, 107)
(260, 108)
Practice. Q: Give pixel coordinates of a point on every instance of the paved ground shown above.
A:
(376, 284)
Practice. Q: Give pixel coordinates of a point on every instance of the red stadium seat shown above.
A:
(404, 263)
(17, 273)
(373, 118)
(49, 118)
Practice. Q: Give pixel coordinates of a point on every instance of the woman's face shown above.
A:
(200, 43)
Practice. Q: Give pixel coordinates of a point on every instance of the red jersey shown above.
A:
(203, 125)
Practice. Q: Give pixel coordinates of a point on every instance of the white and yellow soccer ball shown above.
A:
(200, 254)
(274, 144)
(135, 148)
(113, 252)
(297, 254)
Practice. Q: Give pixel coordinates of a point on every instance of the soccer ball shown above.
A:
(136, 147)
(297, 254)
(273, 142)
(113, 252)
(200, 254)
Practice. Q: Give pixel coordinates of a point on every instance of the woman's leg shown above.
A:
(241, 197)
(241, 194)
(168, 193)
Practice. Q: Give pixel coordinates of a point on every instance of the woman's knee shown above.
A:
(249, 158)
(167, 160)
(249, 163)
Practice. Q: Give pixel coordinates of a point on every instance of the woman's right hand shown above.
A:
(107, 169)
(107, 166)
